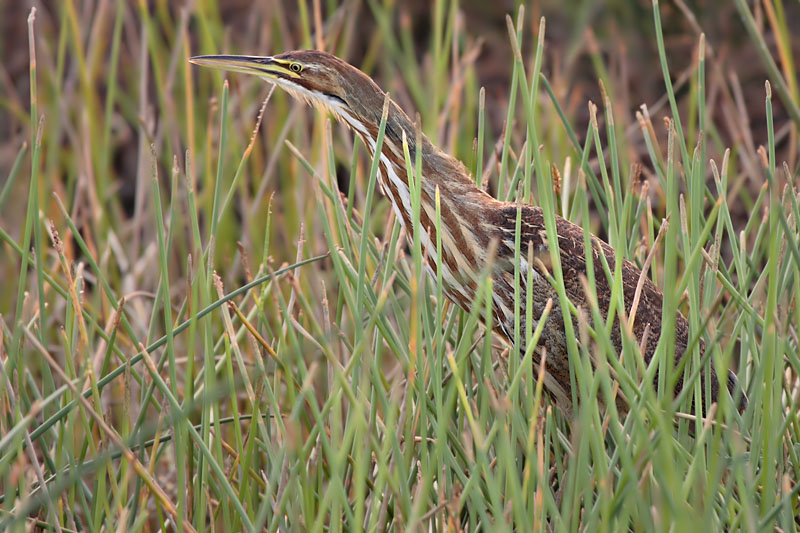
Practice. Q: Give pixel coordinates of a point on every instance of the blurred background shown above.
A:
(394, 42)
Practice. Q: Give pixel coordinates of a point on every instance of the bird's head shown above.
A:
(319, 78)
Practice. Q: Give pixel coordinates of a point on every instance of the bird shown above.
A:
(474, 225)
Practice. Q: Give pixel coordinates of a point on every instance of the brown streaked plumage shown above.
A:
(471, 218)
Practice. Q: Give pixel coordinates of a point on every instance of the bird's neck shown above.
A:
(462, 205)
(438, 169)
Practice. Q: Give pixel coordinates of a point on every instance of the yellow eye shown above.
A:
(296, 67)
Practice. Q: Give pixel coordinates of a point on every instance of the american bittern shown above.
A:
(471, 219)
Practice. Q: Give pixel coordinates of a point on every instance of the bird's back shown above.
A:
(646, 326)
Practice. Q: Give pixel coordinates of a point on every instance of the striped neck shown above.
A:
(464, 233)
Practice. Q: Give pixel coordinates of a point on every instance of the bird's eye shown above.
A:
(296, 67)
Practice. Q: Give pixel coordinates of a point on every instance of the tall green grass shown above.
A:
(211, 335)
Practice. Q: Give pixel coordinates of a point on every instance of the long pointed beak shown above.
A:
(264, 66)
